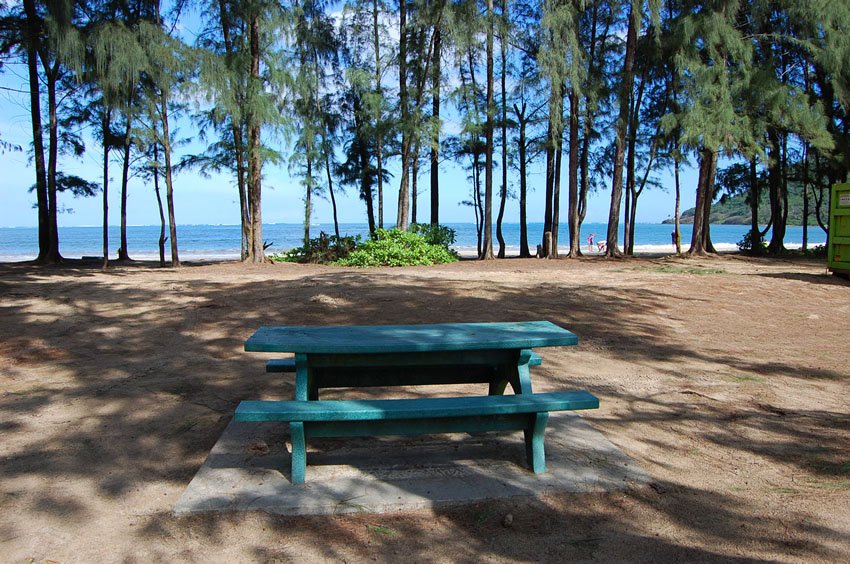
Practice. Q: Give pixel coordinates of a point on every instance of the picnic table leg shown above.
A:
(298, 467)
(519, 376)
(534, 450)
(305, 386)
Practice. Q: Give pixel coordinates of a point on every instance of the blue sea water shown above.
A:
(208, 242)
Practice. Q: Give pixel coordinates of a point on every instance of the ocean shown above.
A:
(216, 242)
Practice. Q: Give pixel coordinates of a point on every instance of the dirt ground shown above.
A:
(727, 379)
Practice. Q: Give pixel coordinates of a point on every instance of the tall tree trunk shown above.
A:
(574, 222)
(435, 141)
(587, 126)
(244, 208)
(774, 181)
(414, 182)
(363, 155)
(254, 155)
(805, 195)
(755, 195)
(707, 160)
(487, 250)
(402, 216)
(503, 195)
(622, 124)
(709, 198)
(378, 116)
(53, 254)
(556, 189)
(631, 173)
(105, 126)
(238, 142)
(123, 251)
(308, 200)
(162, 236)
(326, 148)
(331, 192)
(32, 31)
(550, 183)
(479, 209)
(169, 184)
(677, 227)
(584, 164)
(523, 183)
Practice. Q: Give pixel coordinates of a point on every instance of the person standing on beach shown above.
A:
(590, 242)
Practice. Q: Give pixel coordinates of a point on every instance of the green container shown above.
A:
(838, 258)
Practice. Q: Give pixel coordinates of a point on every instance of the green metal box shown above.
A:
(838, 246)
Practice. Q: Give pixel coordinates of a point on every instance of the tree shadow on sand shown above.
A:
(132, 385)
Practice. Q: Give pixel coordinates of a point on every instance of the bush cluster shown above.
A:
(392, 247)
(324, 249)
(435, 234)
(747, 247)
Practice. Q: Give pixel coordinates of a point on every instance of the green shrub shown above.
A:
(392, 247)
(324, 249)
(435, 234)
(746, 244)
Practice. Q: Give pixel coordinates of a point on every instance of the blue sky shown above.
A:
(214, 200)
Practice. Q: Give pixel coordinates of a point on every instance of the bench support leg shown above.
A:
(534, 451)
(299, 452)
(519, 376)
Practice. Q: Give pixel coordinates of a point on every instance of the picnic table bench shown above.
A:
(497, 354)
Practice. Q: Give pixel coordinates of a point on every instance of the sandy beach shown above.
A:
(727, 379)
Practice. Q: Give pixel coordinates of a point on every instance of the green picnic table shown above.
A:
(496, 354)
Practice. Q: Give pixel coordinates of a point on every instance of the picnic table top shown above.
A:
(376, 339)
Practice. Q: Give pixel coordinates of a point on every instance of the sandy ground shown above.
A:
(726, 379)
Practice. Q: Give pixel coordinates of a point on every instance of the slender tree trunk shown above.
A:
(414, 183)
(755, 195)
(308, 200)
(805, 196)
(53, 254)
(402, 217)
(363, 156)
(584, 172)
(523, 183)
(162, 236)
(32, 41)
(503, 195)
(621, 126)
(378, 117)
(587, 126)
(326, 148)
(244, 211)
(487, 250)
(105, 126)
(550, 182)
(677, 227)
(574, 222)
(774, 180)
(479, 209)
(435, 141)
(123, 251)
(238, 142)
(556, 189)
(331, 192)
(169, 184)
(254, 156)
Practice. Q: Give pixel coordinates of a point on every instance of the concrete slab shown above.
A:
(248, 469)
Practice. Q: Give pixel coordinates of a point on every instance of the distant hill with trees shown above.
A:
(734, 210)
